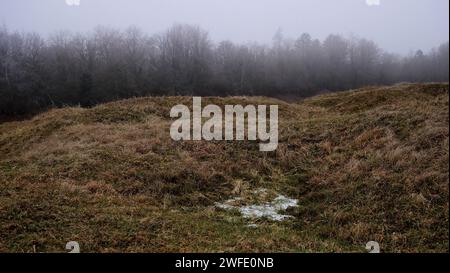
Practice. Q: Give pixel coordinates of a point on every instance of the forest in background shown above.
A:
(106, 64)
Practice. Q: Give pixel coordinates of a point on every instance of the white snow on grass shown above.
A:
(270, 210)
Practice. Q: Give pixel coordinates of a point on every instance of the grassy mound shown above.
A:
(369, 164)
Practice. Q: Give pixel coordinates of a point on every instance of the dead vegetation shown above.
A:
(369, 164)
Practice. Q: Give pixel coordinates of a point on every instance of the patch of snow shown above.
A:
(271, 210)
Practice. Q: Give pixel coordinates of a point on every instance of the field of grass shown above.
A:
(368, 164)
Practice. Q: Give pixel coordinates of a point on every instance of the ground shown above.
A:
(365, 165)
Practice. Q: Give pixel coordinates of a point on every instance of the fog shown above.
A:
(399, 26)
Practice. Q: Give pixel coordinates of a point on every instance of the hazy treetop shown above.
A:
(399, 26)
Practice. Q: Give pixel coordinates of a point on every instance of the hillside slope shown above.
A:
(369, 164)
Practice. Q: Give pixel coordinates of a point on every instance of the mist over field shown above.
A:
(78, 52)
(398, 26)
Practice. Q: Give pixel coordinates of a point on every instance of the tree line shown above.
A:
(108, 64)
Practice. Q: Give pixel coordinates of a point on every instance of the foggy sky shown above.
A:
(399, 26)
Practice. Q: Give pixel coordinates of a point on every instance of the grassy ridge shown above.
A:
(369, 164)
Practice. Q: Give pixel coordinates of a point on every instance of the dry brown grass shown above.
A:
(369, 164)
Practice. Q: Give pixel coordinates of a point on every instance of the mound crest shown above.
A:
(364, 165)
